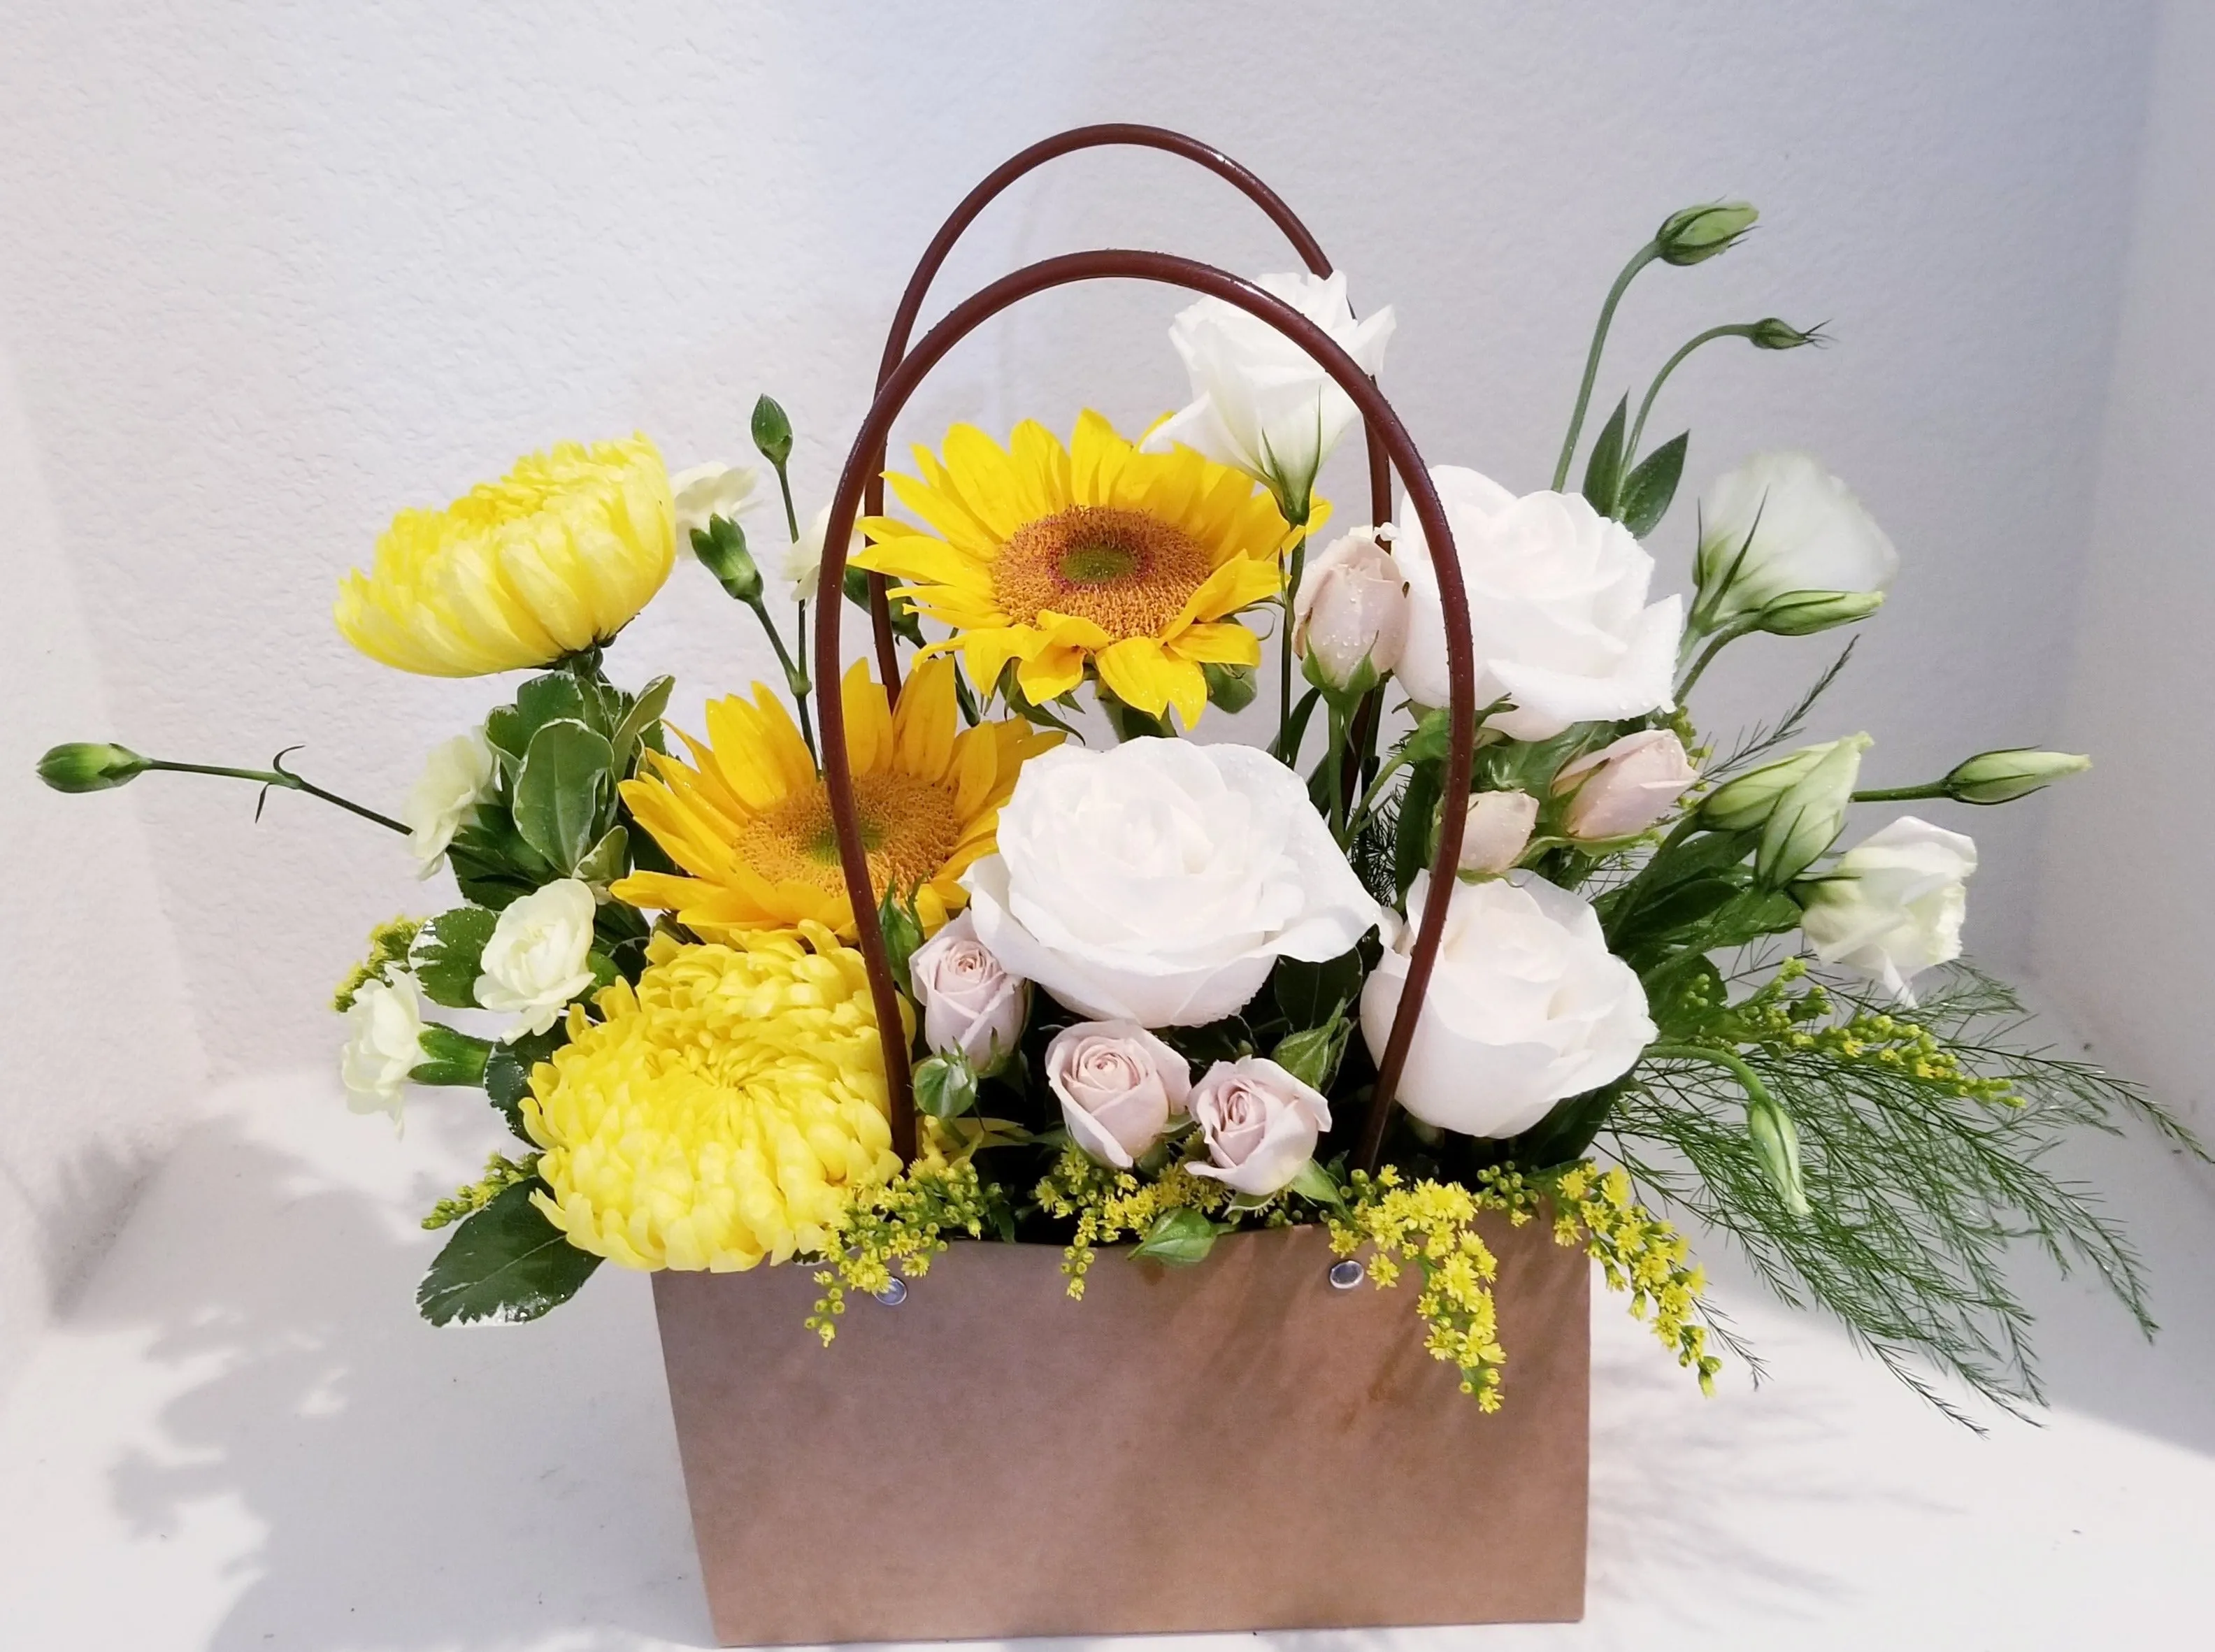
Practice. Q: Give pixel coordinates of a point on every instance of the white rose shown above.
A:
(384, 1025)
(1526, 1007)
(1119, 1087)
(1498, 830)
(1260, 403)
(1352, 605)
(1623, 789)
(706, 490)
(802, 561)
(1781, 523)
(1892, 905)
(1261, 1124)
(1557, 609)
(535, 962)
(970, 1003)
(459, 774)
(1159, 881)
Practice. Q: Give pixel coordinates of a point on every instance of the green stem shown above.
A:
(1736, 330)
(1645, 255)
(795, 680)
(791, 518)
(1747, 1078)
(1902, 794)
(289, 782)
(1333, 766)
(1369, 799)
(1721, 638)
(1284, 649)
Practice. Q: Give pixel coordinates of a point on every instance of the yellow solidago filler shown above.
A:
(903, 1225)
(1057, 556)
(749, 821)
(556, 556)
(726, 1109)
(1110, 1204)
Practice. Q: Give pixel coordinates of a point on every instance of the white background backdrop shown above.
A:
(271, 272)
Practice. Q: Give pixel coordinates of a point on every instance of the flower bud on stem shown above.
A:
(1775, 1137)
(83, 766)
(1989, 777)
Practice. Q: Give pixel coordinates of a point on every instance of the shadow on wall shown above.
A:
(490, 1488)
(68, 1216)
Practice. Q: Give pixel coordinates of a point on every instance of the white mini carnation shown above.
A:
(385, 1028)
(706, 490)
(459, 774)
(538, 957)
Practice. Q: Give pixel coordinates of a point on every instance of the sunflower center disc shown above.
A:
(908, 827)
(1128, 573)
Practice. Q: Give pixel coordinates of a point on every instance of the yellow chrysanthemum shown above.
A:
(749, 820)
(556, 555)
(724, 1110)
(1054, 557)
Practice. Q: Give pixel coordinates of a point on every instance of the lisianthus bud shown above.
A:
(1776, 1141)
(84, 766)
(1770, 334)
(1803, 613)
(2003, 777)
(722, 549)
(1742, 804)
(1352, 609)
(1808, 818)
(772, 431)
(1621, 789)
(1497, 832)
(1699, 233)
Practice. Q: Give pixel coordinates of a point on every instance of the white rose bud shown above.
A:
(459, 774)
(1352, 608)
(1892, 904)
(1259, 1123)
(971, 1005)
(1260, 404)
(1118, 1086)
(1497, 832)
(385, 1024)
(1621, 789)
(1785, 543)
(538, 959)
(710, 490)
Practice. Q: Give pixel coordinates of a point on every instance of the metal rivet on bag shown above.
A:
(1345, 1274)
(893, 1294)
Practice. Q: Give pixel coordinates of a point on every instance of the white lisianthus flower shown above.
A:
(1557, 609)
(538, 959)
(1892, 905)
(1781, 527)
(384, 1027)
(1159, 881)
(1260, 404)
(459, 774)
(706, 490)
(1526, 1006)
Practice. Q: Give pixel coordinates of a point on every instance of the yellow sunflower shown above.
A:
(749, 820)
(1095, 553)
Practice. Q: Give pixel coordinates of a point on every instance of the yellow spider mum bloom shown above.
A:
(1057, 556)
(556, 556)
(724, 1110)
(749, 822)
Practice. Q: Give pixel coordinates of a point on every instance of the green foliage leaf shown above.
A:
(945, 1086)
(1313, 1182)
(902, 932)
(563, 791)
(447, 954)
(508, 1073)
(1603, 470)
(1180, 1237)
(507, 1263)
(644, 713)
(605, 861)
(1417, 838)
(1311, 994)
(1312, 1056)
(1649, 489)
(1219, 1041)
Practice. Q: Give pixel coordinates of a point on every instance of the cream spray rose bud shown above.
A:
(538, 958)
(1699, 233)
(1118, 1086)
(1621, 789)
(1786, 546)
(1892, 904)
(2003, 777)
(1351, 613)
(971, 1005)
(459, 774)
(1260, 1125)
(1497, 832)
(1808, 818)
(85, 766)
(707, 491)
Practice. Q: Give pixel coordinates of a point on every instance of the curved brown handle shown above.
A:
(1461, 669)
(1112, 134)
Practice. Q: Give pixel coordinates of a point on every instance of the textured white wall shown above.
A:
(273, 271)
(2128, 906)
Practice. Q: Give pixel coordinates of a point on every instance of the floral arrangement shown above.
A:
(1149, 982)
